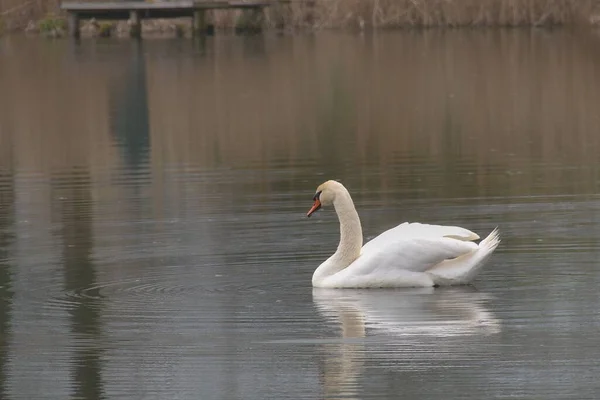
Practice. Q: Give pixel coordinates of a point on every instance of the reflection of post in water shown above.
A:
(336, 113)
(7, 219)
(129, 106)
(254, 46)
(75, 208)
(199, 43)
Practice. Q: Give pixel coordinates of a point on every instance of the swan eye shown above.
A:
(316, 197)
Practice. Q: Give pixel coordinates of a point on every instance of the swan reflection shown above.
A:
(399, 329)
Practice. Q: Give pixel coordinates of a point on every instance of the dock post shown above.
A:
(310, 13)
(199, 22)
(276, 12)
(73, 22)
(135, 28)
(209, 22)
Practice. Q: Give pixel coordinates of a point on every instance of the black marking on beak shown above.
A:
(316, 206)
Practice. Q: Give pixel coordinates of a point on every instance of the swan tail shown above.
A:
(462, 269)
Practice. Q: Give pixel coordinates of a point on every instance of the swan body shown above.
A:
(408, 255)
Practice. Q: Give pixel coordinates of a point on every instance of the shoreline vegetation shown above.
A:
(44, 16)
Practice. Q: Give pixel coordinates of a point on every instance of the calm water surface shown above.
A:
(153, 238)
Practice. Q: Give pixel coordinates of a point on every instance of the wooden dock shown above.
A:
(135, 11)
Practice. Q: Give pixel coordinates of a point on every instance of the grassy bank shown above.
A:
(16, 15)
(443, 13)
(19, 15)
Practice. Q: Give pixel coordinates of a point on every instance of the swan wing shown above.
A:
(412, 247)
(416, 254)
(399, 263)
(416, 230)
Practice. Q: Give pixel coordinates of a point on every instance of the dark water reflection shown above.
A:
(6, 290)
(73, 204)
(153, 239)
(130, 114)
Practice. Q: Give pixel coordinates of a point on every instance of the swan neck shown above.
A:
(351, 239)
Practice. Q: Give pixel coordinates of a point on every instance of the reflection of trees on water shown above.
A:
(430, 107)
(428, 118)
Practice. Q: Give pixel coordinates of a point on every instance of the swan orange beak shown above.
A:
(315, 207)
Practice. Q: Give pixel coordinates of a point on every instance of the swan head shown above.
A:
(325, 195)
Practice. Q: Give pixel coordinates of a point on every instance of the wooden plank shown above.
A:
(125, 14)
(126, 5)
(162, 5)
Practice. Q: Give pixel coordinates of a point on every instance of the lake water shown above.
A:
(153, 237)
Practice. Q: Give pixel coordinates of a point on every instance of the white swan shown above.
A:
(408, 255)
